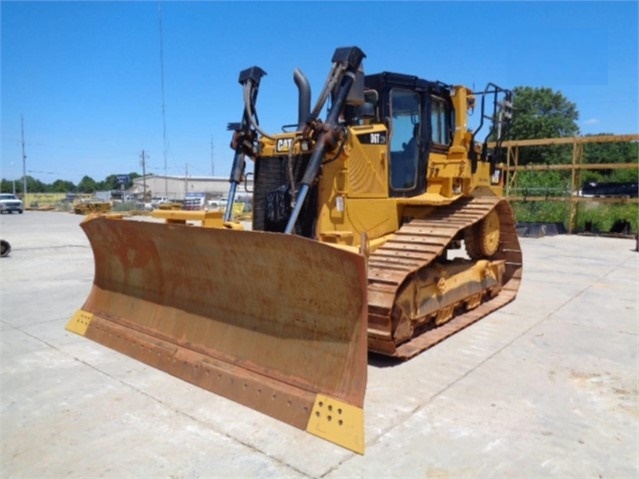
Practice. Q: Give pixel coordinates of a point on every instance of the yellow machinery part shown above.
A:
(416, 298)
(88, 207)
(207, 219)
(331, 419)
(80, 322)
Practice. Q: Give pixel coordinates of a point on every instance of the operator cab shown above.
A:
(420, 118)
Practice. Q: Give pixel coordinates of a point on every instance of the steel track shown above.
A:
(415, 246)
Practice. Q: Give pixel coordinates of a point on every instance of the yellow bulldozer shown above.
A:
(379, 229)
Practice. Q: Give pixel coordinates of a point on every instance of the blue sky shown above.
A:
(86, 76)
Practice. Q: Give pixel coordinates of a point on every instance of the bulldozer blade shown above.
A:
(275, 322)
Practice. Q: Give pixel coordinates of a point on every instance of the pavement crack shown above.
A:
(191, 417)
(498, 351)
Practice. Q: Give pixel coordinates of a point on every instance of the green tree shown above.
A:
(33, 185)
(87, 185)
(62, 186)
(6, 186)
(617, 152)
(109, 183)
(542, 113)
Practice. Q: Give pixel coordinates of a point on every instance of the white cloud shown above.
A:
(591, 121)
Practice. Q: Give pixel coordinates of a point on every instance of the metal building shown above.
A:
(177, 187)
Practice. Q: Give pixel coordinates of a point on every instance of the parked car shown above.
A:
(158, 200)
(10, 203)
(155, 202)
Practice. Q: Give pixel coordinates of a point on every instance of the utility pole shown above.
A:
(212, 158)
(186, 175)
(13, 173)
(143, 162)
(24, 164)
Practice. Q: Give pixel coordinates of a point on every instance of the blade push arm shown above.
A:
(244, 135)
(348, 60)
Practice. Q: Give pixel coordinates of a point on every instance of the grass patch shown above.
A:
(593, 216)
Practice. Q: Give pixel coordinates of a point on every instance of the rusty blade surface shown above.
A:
(265, 319)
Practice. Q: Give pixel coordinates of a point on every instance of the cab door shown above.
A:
(407, 172)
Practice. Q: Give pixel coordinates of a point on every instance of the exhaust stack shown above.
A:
(304, 101)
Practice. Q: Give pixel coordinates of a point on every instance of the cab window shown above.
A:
(439, 122)
(405, 111)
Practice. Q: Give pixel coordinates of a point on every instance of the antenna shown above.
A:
(24, 163)
(166, 179)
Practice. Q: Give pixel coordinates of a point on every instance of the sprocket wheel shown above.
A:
(482, 239)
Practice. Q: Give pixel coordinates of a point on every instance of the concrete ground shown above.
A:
(546, 387)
